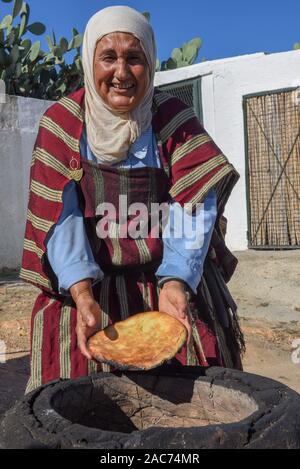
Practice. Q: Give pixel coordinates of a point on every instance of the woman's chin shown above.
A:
(122, 103)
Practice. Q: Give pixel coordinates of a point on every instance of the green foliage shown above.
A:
(147, 15)
(297, 45)
(29, 71)
(182, 56)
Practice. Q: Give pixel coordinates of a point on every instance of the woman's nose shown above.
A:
(121, 71)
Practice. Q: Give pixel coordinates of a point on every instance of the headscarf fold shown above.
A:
(110, 133)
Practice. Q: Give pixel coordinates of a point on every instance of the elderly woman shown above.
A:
(120, 137)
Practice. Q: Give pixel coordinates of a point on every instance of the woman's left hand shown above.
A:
(173, 301)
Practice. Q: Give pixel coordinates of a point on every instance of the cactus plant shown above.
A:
(29, 71)
(181, 57)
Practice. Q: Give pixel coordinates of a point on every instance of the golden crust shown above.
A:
(142, 341)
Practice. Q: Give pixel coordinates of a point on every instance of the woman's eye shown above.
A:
(108, 58)
(135, 58)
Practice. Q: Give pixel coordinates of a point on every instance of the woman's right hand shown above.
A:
(173, 301)
(88, 314)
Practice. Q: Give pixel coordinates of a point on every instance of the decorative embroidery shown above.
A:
(75, 173)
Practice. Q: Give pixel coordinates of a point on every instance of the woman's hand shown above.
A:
(173, 301)
(88, 314)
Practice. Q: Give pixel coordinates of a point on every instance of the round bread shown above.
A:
(143, 341)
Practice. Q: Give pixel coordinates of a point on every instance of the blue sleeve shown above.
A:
(186, 240)
(68, 248)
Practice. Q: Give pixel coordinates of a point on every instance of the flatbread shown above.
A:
(143, 341)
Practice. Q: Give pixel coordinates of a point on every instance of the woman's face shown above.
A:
(121, 71)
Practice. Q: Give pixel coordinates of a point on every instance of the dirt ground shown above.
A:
(266, 287)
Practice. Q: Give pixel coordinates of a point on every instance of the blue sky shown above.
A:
(227, 27)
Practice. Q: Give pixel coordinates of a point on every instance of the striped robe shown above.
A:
(192, 163)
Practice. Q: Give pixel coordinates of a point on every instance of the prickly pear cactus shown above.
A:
(182, 56)
(29, 71)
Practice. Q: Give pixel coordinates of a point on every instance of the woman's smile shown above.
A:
(123, 89)
(122, 86)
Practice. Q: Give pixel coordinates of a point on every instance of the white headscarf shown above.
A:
(110, 133)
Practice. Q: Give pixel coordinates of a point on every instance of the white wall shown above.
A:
(19, 118)
(225, 82)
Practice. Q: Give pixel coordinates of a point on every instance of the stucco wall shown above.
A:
(19, 118)
(224, 83)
